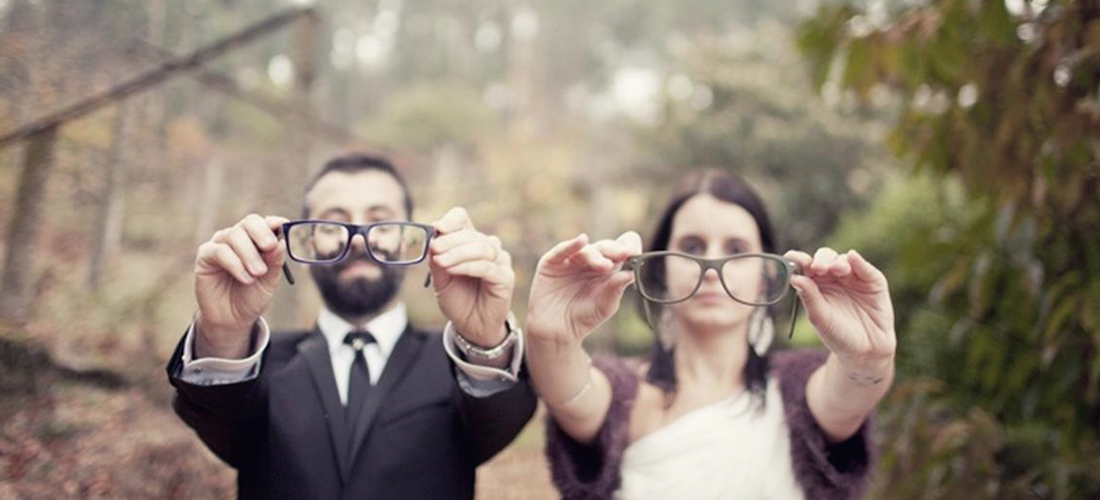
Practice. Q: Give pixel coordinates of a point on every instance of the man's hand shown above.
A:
(473, 279)
(236, 274)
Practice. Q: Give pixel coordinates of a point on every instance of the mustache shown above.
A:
(354, 257)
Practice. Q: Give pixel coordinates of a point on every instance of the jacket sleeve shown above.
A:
(823, 469)
(227, 417)
(493, 421)
(592, 471)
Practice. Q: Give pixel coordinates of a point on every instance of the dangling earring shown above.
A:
(761, 331)
(665, 331)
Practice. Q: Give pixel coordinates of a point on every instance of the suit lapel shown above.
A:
(404, 354)
(315, 351)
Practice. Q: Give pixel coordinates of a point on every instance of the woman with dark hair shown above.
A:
(712, 414)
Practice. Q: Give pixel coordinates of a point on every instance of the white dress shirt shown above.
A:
(387, 328)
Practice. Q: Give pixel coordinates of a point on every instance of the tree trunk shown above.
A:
(295, 168)
(15, 287)
(108, 222)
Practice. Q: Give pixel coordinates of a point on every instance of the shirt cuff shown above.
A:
(220, 371)
(482, 381)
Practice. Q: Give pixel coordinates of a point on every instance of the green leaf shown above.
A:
(1063, 312)
(996, 23)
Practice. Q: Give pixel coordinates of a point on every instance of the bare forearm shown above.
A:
(576, 394)
(841, 395)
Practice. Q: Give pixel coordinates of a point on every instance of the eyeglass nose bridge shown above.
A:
(717, 264)
(360, 231)
(364, 232)
(708, 264)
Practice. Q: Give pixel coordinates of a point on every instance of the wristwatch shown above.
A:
(472, 351)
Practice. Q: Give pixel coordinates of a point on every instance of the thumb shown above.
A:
(632, 241)
(441, 279)
(274, 259)
(812, 299)
(610, 293)
(618, 282)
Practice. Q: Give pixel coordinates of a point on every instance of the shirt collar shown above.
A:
(386, 328)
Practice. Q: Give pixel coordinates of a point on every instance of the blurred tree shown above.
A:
(1000, 370)
(742, 102)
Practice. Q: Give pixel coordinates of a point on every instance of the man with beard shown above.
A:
(363, 405)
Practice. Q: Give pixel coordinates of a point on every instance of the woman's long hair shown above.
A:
(729, 188)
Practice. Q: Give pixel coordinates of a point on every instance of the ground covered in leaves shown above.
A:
(91, 434)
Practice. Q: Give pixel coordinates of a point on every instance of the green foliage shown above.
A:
(997, 289)
(810, 162)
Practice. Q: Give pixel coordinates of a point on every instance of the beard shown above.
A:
(361, 296)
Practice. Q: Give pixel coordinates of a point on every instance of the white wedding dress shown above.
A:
(727, 450)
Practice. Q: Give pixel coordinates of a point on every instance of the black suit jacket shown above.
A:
(418, 436)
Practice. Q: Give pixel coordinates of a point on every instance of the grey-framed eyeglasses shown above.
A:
(391, 243)
(772, 272)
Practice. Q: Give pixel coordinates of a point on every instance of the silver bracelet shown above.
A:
(587, 384)
(470, 350)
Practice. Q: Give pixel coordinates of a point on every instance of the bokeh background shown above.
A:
(955, 143)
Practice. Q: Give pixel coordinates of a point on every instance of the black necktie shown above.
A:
(359, 378)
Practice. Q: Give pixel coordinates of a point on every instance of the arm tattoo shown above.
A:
(863, 380)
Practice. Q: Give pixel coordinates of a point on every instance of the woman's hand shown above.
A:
(848, 301)
(578, 286)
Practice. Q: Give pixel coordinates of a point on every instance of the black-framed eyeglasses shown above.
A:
(392, 243)
(768, 277)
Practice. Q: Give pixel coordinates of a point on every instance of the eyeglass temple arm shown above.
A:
(794, 318)
(797, 269)
(286, 266)
(287, 274)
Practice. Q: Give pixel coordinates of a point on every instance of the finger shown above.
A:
(219, 257)
(274, 261)
(474, 250)
(823, 258)
(591, 258)
(612, 249)
(620, 280)
(803, 259)
(275, 223)
(864, 270)
(613, 290)
(490, 272)
(840, 267)
(246, 250)
(504, 258)
(442, 244)
(260, 231)
(811, 297)
(631, 241)
(564, 250)
(446, 242)
(454, 220)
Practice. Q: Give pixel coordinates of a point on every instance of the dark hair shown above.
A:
(729, 188)
(359, 162)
